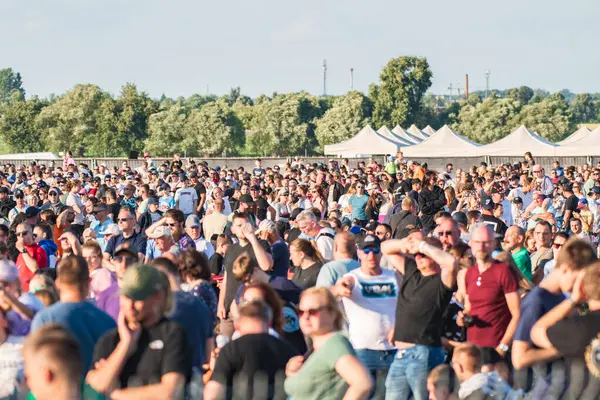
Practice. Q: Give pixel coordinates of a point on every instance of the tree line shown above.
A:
(92, 122)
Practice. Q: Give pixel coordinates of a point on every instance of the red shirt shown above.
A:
(488, 304)
(25, 273)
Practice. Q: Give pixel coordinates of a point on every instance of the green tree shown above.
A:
(10, 82)
(402, 85)
(18, 129)
(550, 118)
(132, 110)
(489, 120)
(348, 115)
(583, 109)
(71, 123)
(523, 94)
(212, 130)
(165, 129)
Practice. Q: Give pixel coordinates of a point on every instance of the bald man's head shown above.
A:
(482, 243)
(344, 245)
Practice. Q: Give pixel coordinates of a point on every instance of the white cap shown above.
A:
(112, 229)
(160, 231)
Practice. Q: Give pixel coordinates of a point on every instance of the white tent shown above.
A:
(444, 143)
(586, 146)
(398, 131)
(386, 133)
(578, 134)
(518, 142)
(428, 130)
(29, 156)
(366, 142)
(413, 130)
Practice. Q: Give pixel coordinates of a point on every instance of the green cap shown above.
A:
(141, 282)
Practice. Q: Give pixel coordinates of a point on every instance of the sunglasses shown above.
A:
(360, 187)
(52, 194)
(171, 225)
(21, 234)
(123, 219)
(445, 233)
(311, 312)
(374, 250)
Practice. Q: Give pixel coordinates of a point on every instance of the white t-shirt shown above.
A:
(371, 309)
(324, 240)
(204, 246)
(186, 198)
(11, 365)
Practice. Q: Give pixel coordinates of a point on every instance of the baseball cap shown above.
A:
(595, 189)
(182, 177)
(152, 200)
(8, 271)
(146, 154)
(369, 242)
(487, 203)
(295, 213)
(371, 226)
(582, 202)
(19, 193)
(192, 221)
(517, 200)
(141, 282)
(99, 207)
(266, 225)
(4, 190)
(246, 198)
(355, 230)
(460, 217)
(160, 231)
(193, 174)
(31, 212)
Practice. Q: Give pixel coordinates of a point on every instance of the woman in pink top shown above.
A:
(100, 277)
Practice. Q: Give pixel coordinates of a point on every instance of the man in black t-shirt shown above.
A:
(429, 281)
(252, 366)
(571, 203)
(255, 248)
(147, 355)
(487, 217)
(200, 191)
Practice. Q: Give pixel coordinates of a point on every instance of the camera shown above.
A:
(468, 320)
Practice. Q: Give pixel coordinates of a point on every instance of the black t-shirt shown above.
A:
(571, 203)
(136, 242)
(161, 349)
(422, 301)
(253, 367)
(572, 336)
(281, 259)
(233, 252)
(216, 264)
(306, 278)
(261, 208)
(200, 189)
(497, 224)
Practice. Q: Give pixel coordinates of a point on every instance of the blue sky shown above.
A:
(179, 47)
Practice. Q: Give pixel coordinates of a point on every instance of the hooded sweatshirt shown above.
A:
(50, 248)
(400, 221)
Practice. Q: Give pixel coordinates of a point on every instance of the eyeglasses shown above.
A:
(21, 234)
(374, 250)
(311, 312)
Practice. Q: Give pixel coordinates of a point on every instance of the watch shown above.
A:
(503, 347)
(23, 251)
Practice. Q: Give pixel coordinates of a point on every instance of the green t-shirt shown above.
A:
(87, 393)
(318, 379)
(523, 262)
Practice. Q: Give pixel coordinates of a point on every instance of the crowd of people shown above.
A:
(180, 280)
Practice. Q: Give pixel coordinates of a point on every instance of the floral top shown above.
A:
(205, 292)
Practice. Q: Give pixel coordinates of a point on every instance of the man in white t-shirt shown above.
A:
(369, 295)
(186, 197)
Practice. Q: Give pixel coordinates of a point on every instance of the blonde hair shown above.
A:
(309, 248)
(329, 302)
(524, 283)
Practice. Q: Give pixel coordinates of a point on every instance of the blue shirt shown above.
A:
(83, 320)
(281, 259)
(195, 318)
(334, 270)
(535, 305)
(359, 204)
(98, 227)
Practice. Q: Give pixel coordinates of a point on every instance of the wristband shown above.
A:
(421, 246)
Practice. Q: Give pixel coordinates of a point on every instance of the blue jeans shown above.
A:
(377, 363)
(409, 370)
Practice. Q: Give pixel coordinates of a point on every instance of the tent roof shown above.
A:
(588, 145)
(428, 130)
(30, 156)
(578, 134)
(386, 133)
(413, 130)
(366, 141)
(398, 131)
(445, 142)
(519, 141)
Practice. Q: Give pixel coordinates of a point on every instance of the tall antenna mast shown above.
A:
(351, 79)
(487, 83)
(324, 77)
